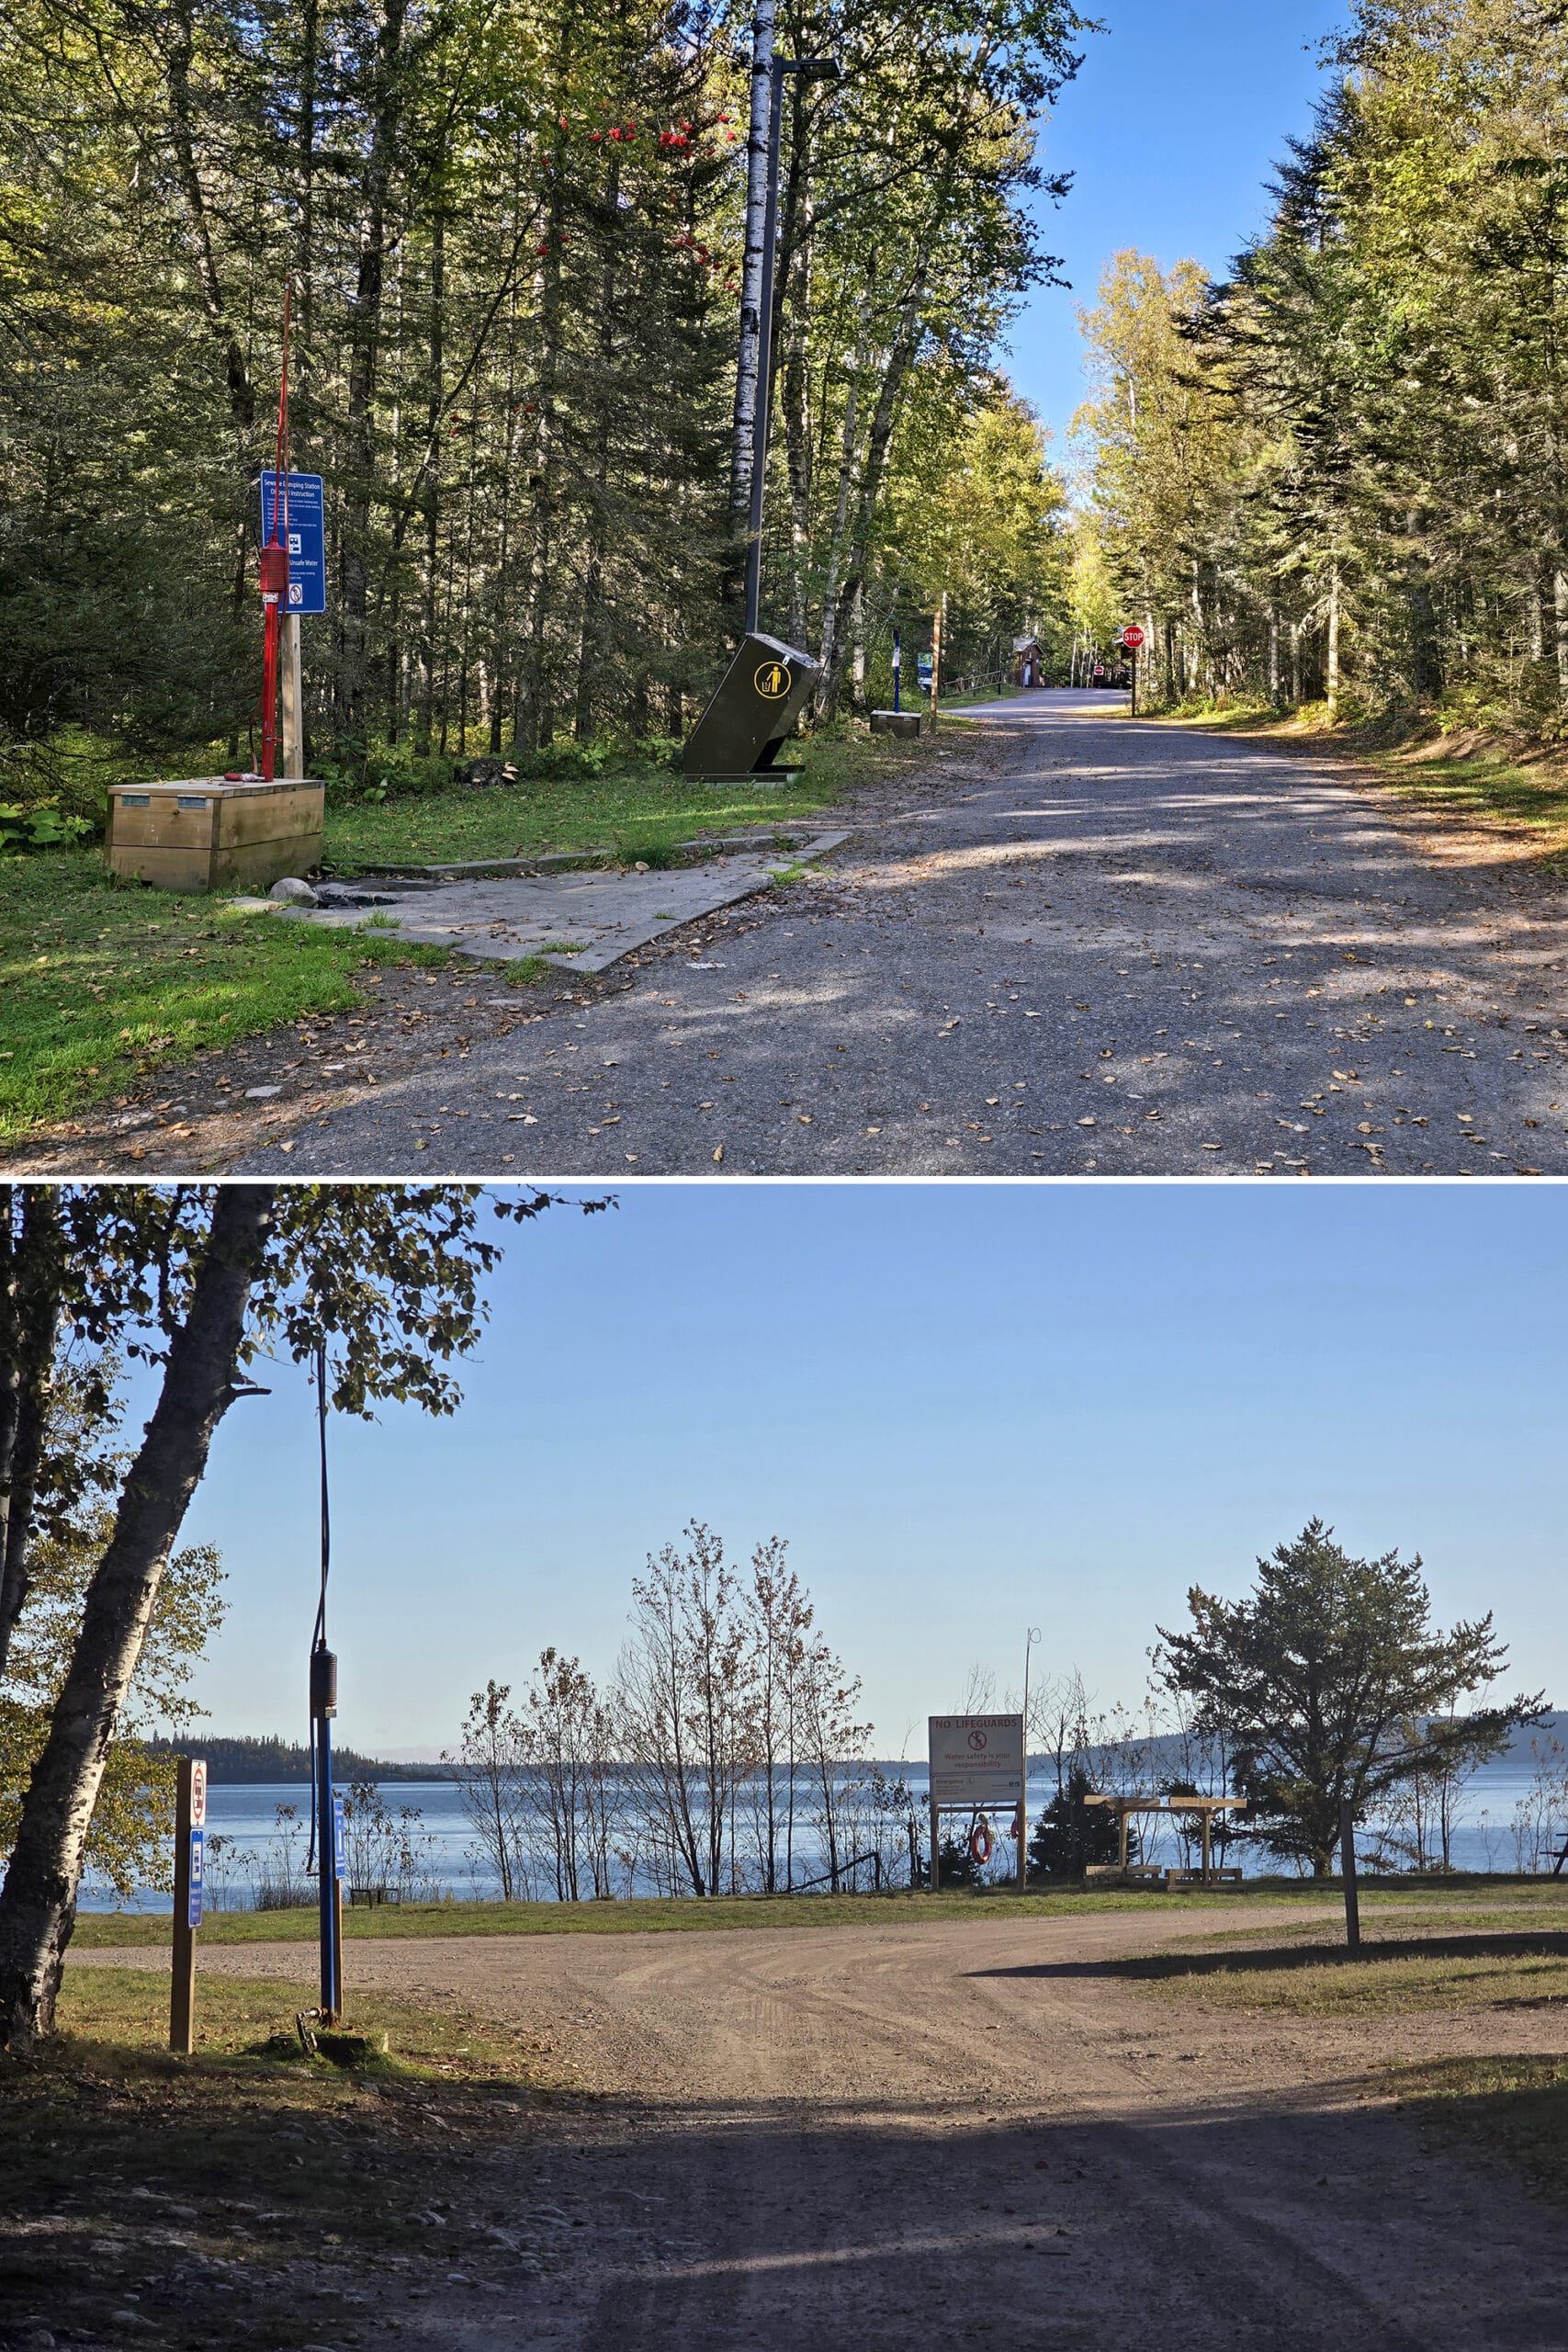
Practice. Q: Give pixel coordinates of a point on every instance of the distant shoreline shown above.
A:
(251, 1763)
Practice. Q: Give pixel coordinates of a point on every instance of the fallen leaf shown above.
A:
(719, 1153)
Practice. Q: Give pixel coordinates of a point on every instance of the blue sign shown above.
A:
(197, 1872)
(340, 1841)
(305, 529)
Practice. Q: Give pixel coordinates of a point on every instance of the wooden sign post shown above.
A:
(190, 1844)
(936, 655)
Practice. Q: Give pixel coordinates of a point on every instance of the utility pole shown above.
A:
(190, 1872)
(1030, 1639)
(752, 295)
(757, 339)
(324, 1707)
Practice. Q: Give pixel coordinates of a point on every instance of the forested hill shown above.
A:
(240, 1760)
(523, 360)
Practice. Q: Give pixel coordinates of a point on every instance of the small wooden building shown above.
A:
(1027, 662)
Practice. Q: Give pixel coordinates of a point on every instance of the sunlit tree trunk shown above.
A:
(38, 1901)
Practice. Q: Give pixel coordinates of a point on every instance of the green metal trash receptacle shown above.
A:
(758, 701)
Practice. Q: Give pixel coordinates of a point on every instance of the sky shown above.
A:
(970, 1408)
(1171, 132)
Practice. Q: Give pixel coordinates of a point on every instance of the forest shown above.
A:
(1338, 477)
(514, 233)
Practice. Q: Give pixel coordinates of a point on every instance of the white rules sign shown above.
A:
(977, 1759)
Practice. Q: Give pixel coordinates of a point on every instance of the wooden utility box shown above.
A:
(209, 834)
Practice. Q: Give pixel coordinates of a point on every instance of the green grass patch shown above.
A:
(1486, 782)
(1504, 1900)
(634, 811)
(104, 982)
(126, 2011)
(99, 1931)
(1393, 1976)
(1484, 785)
(1518, 2105)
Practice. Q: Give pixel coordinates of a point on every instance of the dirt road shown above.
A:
(922, 2135)
(1083, 946)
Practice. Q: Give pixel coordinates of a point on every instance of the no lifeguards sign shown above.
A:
(977, 1759)
(1132, 638)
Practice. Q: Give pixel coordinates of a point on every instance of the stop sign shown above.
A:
(1132, 638)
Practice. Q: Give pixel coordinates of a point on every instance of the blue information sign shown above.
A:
(340, 1840)
(197, 1870)
(306, 533)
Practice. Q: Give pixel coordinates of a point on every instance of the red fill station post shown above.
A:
(1132, 638)
(274, 570)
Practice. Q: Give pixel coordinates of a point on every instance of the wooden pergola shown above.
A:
(1126, 1807)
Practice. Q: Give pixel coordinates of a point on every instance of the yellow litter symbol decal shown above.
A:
(773, 681)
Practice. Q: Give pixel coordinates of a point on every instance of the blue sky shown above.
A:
(1171, 132)
(970, 1407)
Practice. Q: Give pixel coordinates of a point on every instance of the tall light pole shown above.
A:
(1030, 1639)
(810, 69)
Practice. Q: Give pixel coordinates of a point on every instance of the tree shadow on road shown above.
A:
(1304, 2222)
(1248, 1959)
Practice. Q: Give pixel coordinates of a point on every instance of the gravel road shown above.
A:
(900, 2137)
(1314, 983)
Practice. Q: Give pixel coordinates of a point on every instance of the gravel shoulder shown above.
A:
(1083, 946)
(897, 2137)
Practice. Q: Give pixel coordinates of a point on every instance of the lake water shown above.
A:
(244, 1838)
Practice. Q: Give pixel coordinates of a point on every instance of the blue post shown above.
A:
(324, 1706)
(326, 1855)
(896, 658)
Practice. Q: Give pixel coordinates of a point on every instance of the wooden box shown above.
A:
(209, 834)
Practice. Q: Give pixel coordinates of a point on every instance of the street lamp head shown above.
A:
(814, 69)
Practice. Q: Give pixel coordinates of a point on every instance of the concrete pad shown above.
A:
(583, 921)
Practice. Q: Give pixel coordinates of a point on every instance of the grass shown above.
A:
(103, 983)
(100, 1930)
(127, 2009)
(1394, 1976)
(635, 811)
(197, 2187)
(1517, 2105)
(1484, 783)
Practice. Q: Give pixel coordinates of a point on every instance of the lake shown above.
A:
(245, 1840)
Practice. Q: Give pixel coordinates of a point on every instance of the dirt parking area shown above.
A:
(926, 2134)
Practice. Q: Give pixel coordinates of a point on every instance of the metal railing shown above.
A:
(823, 1878)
